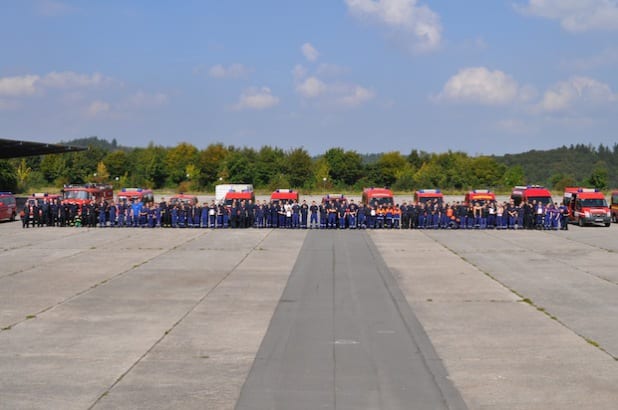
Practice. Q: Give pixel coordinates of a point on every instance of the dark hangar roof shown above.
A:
(16, 148)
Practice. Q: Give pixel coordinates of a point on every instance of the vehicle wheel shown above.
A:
(580, 221)
(607, 225)
(13, 216)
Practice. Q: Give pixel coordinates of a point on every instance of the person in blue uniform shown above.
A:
(352, 214)
(295, 215)
(304, 212)
(313, 215)
(564, 217)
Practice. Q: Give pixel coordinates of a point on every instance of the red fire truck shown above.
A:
(135, 194)
(38, 198)
(531, 193)
(182, 199)
(614, 206)
(283, 195)
(480, 196)
(587, 206)
(377, 196)
(81, 195)
(428, 195)
(8, 206)
(242, 195)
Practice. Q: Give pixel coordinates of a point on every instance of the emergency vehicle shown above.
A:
(135, 194)
(587, 206)
(183, 199)
(531, 193)
(480, 196)
(234, 195)
(222, 189)
(377, 196)
(38, 198)
(8, 206)
(81, 195)
(283, 195)
(428, 195)
(614, 206)
(339, 198)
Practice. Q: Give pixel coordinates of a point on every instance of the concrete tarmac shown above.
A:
(343, 337)
(182, 318)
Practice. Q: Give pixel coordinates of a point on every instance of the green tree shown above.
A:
(239, 168)
(599, 176)
(430, 175)
(513, 176)
(345, 167)
(405, 179)
(321, 174)
(54, 169)
(177, 159)
(23, 172)
(8, 176)
(149, 168)
(82, 165)
(561, 181)
(102, 174)
(418, 158)
(298, 167)
(487, 171)
(117, 163)
(389, 166)
(211, 160)
(270, 162)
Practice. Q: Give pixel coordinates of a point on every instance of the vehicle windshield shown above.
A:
(425, 199)
(594, 203)
(125, 198)
(77, 195)
(542, 199)
(381, 201)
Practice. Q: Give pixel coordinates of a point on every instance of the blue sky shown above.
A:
(481, 76)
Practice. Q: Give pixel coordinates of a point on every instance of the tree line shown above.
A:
(184, 167)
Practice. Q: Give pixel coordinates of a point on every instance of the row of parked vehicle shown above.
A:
(586, 205)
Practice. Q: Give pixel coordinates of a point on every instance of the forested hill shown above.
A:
(186, 167)
(564, 166)
(96, 142)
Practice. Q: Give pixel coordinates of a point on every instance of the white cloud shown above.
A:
(235, 70)
(576, 90)
(357, 96)
(18, 86)
(97, 108)
(311, 87)
(310, 53)
(69, 79)
(576, 15)
(31, 84)
(482, 86)
(256, 99)
(418, 24)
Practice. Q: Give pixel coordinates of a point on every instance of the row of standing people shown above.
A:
(297, 215)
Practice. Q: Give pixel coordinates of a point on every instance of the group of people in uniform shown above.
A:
(330, 214)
